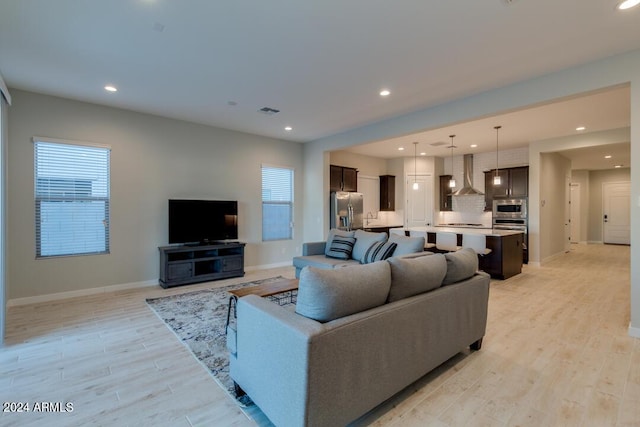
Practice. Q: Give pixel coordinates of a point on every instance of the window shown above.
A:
(277, 203)
(72, 199)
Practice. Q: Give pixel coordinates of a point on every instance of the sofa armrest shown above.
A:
(272, 358)
(313, 248)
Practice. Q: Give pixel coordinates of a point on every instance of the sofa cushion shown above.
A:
(461, 265)
(407, 245)
(379, 251)
(341, 236)
(325, 295)
(413, 276)
(321, 261)
(364, 240)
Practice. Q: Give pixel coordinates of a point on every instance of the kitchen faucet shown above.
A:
(367, 217)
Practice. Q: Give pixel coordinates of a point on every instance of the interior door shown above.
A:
(616, 212)
(419, 202)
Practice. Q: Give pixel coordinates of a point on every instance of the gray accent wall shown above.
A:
(153, 159)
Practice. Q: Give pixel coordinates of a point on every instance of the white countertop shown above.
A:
(467, 230)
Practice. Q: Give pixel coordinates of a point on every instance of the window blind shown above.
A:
(277, 203)
(71, 199)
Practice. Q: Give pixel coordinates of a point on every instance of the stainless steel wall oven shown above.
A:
(511, 214)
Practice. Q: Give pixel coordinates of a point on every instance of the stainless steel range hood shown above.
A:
(467, 189)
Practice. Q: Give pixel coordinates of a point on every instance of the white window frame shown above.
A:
(81, 186)
(277, 201)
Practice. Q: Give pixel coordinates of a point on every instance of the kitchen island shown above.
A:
(505, 259)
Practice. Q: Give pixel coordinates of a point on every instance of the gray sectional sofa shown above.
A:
(329, 254)
(358, 335)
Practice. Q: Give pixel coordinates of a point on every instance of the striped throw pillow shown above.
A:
(378, 251)
(341, 247)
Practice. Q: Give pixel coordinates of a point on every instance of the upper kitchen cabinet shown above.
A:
(343, 178)
(515, 184)
(387, 193)
(445, 193)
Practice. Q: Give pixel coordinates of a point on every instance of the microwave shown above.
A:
(510, 208)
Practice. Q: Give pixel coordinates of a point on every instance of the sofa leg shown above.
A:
(476, 345)
(238, 390)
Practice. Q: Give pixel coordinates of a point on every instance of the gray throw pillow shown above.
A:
(378, 251)
(413, 276)
(407, 245)
(325, 295)
(364, 240)
(461, 265)
(333, 233)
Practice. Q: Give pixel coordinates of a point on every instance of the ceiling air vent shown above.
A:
(268, 111)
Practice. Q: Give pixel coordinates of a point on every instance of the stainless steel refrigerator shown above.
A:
(347, 210)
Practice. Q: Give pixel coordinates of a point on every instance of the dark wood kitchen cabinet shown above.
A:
(445, 194)
(387, 193)
(515, 184)
(343, 178)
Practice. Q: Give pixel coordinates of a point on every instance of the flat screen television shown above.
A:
(202, 221)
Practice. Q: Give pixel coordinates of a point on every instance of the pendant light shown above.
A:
(496, 179)
(452, 181)
(415, 165)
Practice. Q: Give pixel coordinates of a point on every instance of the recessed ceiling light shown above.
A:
(288, 128)
(627, 4)
(110, 88)
(608, 156)
(400, 148)
(474, 145)
(385, 92)
(617, 166)
(423, 154)
(580, 128)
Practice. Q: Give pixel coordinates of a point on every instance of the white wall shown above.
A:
(153, 159)
(554, 170)
(4, 116)
(611, 71)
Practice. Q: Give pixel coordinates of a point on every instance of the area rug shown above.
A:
(199, 319)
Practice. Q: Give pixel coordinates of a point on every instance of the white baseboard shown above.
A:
(267, 266)
(79, 293)
(634, 332)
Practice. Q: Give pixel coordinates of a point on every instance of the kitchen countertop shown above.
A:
(467, 230)
(381, 226)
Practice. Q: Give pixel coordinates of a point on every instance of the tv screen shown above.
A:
(202, 221)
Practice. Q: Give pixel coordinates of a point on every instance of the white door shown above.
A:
(567, 213)
(616, 212)
(420, 201)
(575, 213)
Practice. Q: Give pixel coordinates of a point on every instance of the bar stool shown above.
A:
(446, 241)
(477, 242)
(398, 231)
(416, 233)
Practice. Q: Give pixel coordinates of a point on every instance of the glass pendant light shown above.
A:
(496, 179)
(415, 166)
(452, 181)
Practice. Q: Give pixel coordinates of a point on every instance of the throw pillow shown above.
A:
(333, 233)
(413, 276)
(407, 245)
(461, 265)
(340, 247)
(378, 251)
(325, 295)
(364, 240)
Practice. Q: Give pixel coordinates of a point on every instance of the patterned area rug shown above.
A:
(199, 319)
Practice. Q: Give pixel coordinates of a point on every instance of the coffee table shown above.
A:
(264, 290)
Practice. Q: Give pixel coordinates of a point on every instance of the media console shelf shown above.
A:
(182, 265)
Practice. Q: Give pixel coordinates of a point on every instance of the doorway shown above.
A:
(575, 213)
(616, 203)
(420, 201)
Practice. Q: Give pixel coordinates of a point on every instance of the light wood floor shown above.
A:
(556, 352)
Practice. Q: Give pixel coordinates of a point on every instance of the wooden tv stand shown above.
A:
(183, 265)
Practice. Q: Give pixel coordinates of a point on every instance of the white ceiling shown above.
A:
(321, 63)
